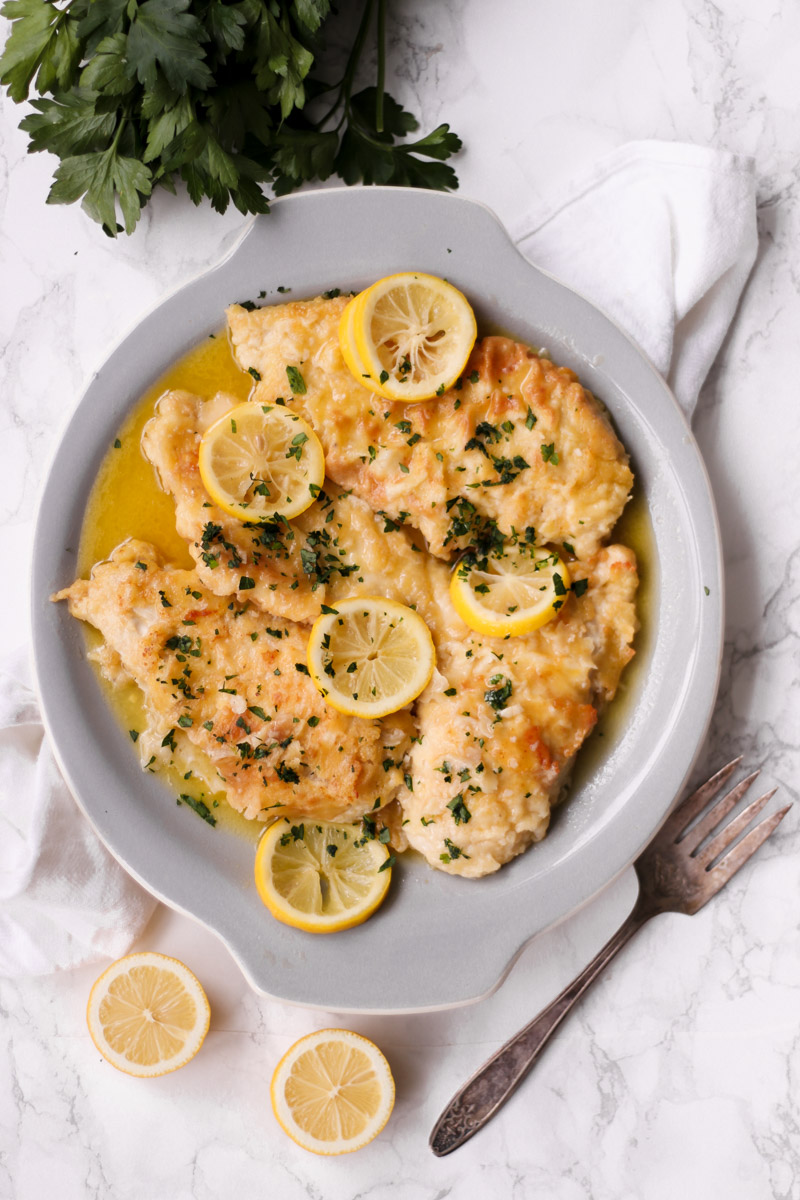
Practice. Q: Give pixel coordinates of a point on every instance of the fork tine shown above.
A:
(731, 831)
(738, 856)
(699, 832)
(694, 804)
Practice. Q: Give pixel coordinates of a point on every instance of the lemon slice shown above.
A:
(409, 336)
(261, 461)
(370, 656)
(319, 877)
(332, 1092)
(147, 1014)
(507, 594)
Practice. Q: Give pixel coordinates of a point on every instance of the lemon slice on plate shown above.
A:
(370, 656)
(261, 461)
(332, 1092)
(320, 877)
(510, 593)
(408, 336)
(147, 1014)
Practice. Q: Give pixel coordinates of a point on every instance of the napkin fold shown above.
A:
(662, 236)
(64, 900)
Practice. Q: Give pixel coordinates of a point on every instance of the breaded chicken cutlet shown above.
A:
(517, 440)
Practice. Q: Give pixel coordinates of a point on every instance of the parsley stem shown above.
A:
(356, 52)
(380, 81)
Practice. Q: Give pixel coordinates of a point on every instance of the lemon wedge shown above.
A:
(370, 656)
(332, 1092)
(320, 877)
(147, 1014)
(510, 593)
(408, 336)
(261, 461)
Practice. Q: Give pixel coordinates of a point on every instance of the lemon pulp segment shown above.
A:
(510, 593)
(332, 1092)
(371, 656)
(147, 1014)
(321, 877)
(261, 461)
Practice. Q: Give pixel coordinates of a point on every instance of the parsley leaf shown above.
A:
(211, 95)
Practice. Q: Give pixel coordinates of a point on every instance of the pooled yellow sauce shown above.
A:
(128, 501)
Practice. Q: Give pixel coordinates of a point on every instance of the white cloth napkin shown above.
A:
(661, 236)
(64, 900)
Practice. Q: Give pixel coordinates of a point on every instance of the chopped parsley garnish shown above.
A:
(185, 721)
(256, 374)
(549, 453)
(296, 448)
(458, 808)
(257, 712)
(199, 807)
(579, 586)
(213, 533)
(287, 774)
(386, 866)
(453, 852)
(296, 381)
(134, 734)
(313, 721)
(531, 418)
(498, 696)
(164, 601)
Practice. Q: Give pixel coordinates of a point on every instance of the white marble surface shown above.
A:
(679, 1073)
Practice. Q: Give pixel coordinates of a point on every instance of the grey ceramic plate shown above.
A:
(437, 941)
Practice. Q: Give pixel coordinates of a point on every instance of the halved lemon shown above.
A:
(147, 1014)
(370, 656)
(332, 1092)
(510, 593)
(408, 335)
(261, 461)
(321, 877)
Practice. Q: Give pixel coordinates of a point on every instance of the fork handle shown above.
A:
(489, 1088)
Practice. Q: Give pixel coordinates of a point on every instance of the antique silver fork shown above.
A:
(678, 872)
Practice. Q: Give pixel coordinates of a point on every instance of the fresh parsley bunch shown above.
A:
(138, 94)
